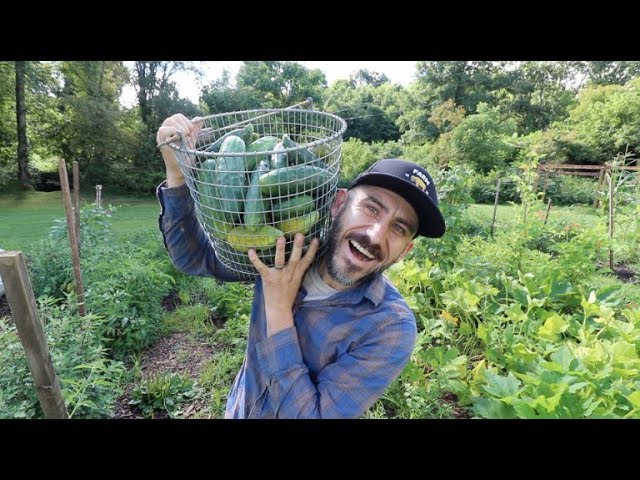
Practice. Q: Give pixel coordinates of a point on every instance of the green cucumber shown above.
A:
(263, 144)
(298, 157)
(243, 133)
(292, 207)
(254, 205)
(279, 159)
(260, 238)
(291, 180)
(231, 180)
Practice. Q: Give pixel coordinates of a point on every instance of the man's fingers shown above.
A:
(279, 260)
(308, 257)
(296, 252)
(257, 263)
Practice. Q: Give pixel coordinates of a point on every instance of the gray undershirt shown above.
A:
(315, 286)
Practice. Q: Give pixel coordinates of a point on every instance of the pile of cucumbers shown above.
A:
(251, 200)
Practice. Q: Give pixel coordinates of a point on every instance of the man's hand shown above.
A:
(188, 129)
(281, 282)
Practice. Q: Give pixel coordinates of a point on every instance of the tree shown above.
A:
(281, 84)
(366, 77)
(21, 121)
(607, 73)
(157, 93)
(606, 119)
(537, 94)
(483, 139)
(466, 83)
(220, 97)
(88, 130)
(365, 117)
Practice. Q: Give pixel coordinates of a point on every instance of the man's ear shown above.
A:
(338, 202)
(406, 250)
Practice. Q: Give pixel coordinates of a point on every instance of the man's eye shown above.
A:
(400, 229)
(371, 209)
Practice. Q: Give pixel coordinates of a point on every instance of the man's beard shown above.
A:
(344, 275)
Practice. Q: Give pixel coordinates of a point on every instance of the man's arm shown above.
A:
(187, 243)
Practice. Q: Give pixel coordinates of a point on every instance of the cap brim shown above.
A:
(431, 222)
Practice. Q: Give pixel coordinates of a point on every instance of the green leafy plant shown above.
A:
(163, 392)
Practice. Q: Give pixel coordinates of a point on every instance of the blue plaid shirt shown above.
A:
(337, 359)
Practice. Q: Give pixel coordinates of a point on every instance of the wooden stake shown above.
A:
(76, 201)
(610, 177)
(546, 184)
(73, 241)
(495, 207)
(546, 216)
(98, 195)
(25, 316)
(596, 201)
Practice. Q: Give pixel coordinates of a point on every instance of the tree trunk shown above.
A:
(24, 181)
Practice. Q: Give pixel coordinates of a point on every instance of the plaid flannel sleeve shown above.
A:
(186, 242)
(345, 388)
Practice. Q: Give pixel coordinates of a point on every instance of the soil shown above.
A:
(5, 311)
(458, 411)
(625, 274)
(179, 353)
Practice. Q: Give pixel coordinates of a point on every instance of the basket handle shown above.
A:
(205, 132)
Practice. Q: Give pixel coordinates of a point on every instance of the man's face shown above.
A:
(372, 229)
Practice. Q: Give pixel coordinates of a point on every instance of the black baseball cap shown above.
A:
(413, 183)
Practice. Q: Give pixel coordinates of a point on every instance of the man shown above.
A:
(325, 338)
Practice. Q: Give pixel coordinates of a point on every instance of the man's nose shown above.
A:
(376, 233)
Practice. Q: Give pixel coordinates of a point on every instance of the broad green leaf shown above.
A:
(515, 313)
(634, 398)
(623, 352)
(522, 353)
(578, 386)
(553, 326)
(501, 387)
(523, 408)
(493, 409)
(482, 333)
(563, 357)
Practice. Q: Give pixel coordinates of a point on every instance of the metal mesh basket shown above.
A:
(281, 179)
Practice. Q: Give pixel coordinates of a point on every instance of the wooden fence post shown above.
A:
(546, 184)
(73, 241)
(98, 195)
(546, 216)
(25, 316)
(596, 201)
(76, 200)
(495, 207)
(611, 187)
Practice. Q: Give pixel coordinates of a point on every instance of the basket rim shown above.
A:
(182, 148)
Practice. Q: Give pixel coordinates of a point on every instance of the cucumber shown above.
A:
(231, 180)
(254, 205)
(279, 159)
(260, 238)
(300, 156)
(292, 207)
(291, 180)
(243, 133)
(301, 224)
(263, 144)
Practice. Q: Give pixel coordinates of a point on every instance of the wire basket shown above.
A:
(255, 175)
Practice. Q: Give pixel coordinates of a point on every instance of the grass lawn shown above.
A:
(508, 215)
(27, 217)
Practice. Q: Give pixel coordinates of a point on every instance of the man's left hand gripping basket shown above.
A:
(256, 175)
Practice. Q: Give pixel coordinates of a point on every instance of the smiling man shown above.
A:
(326, 338)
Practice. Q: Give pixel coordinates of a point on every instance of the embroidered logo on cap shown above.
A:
(419, 179)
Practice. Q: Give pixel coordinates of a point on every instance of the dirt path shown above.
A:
(179, 353)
